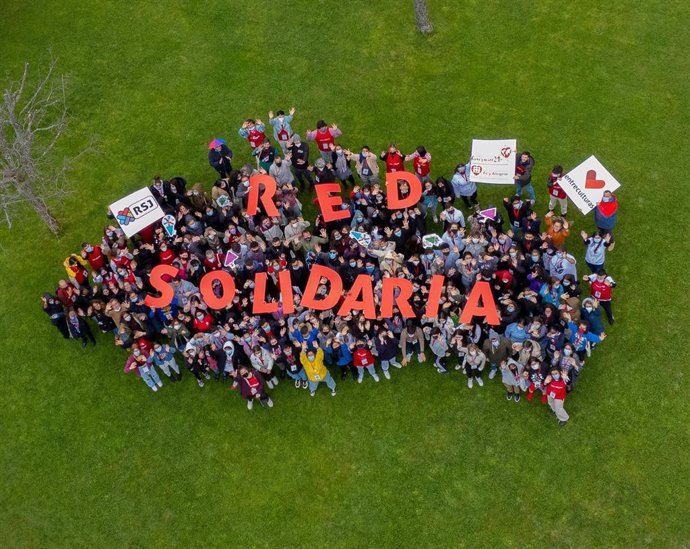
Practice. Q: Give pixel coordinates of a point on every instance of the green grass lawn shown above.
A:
(90, 457)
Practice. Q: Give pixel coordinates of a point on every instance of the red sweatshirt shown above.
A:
(557, 389)
(362, 358)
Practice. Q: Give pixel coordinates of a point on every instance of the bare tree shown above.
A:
(32, 120)
(422, 17)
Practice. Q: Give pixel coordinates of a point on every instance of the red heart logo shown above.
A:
(591, 181)
(505, 151)
(476, 170)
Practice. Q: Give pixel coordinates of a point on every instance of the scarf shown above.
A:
(608, 208)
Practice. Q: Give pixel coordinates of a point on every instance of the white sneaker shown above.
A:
(275, 381)
(270, 384)
(386, 374)
(305, 385)
(469, 383)
(359, 379)
(312, 393)
(297, 383)
(207, 375)
(480, 382)
(250, 404)
(160, 383)
(458, 366)
(397, 364)
(377, 379)
(492, 374)
(333, 393)
(200, 383)
(154, 388)
(270, 403)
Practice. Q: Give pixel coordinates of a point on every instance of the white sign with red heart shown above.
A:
(586, 184)
(493, 161)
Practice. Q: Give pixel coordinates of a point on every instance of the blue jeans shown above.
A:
(371, 369)
(299, 376)
(149, 375)
(530, 190)
(330, 383)
(385, 364)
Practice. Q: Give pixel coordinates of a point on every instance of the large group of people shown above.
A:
(550, 319)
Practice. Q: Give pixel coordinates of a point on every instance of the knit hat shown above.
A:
(493, 334)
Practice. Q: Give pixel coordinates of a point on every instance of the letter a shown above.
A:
(480, 290)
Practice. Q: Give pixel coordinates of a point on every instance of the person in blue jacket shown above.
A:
(341, 356)
(591, 312)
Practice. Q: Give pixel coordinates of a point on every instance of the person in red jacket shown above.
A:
(602, 284)
(556, 391)
(556, 192)
(361, 359)
(421, 161)
(251, 385)
(394, 159)
(203, 322)
(94, 255)
(324, 136)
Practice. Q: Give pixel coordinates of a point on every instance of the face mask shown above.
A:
(557, 376)
(589, 309)
(338, 236)
(332, 255)
(310, 358)
(535, 258)
(494, 342)
(510, 309)
(353, 263)
(339, 151)
(516, 205)
(607, 199)
(89, 249)
(475, 240)
(136, 352)
(513, 254)
(566, 283)
(370, 269)
(473, 353)
(567, 352)
(415, 262)
(597, 239)
(398, 232)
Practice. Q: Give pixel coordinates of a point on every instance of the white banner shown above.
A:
(493, 161)
(586, 183)
(136, 211)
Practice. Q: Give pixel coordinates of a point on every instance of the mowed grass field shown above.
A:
(90, 457)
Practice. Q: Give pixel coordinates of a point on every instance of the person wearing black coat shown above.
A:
(517, 211)
(56, 311)
(79, 329)
(220, 160)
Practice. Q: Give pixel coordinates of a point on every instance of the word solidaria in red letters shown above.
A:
(360, 297)
(480, 302)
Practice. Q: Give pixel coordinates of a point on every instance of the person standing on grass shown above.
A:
(342, 165)
(595, 253)
(556, 192)
(363, 359)
(163, 356)
(556, 391)
(253, 132)
(251, 385)
(139, 361)
(534, 374)
(282, 129)
(312, 362)
(439, 346)
(602, 284)
(220, 159)
(299, 156)
(412, 341)
(523, 176)
(325, 138)
(605, 214)
(518, 211)
(497, 349)
(263, 362)
(473, 365)
(463, 187)
(56, 311)
(79, 329)
(421, 162)
(394, 159)
(511, 373)
(366, 165)
(387, 350)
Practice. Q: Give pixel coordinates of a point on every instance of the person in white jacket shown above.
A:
(263, 362)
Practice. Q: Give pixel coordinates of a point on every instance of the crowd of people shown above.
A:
(550, 319)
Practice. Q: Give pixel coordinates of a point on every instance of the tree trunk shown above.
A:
(422, 17)
(39, 207)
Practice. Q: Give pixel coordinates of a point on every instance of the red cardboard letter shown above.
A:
(434, 296)
(166, 290)
(328, 195)
(388, 299)
(394, 200)
(331, 299)
(285, 285)
(260, 305)
(269, 192)
(480, 290)
(361, 286)
(227, 285)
